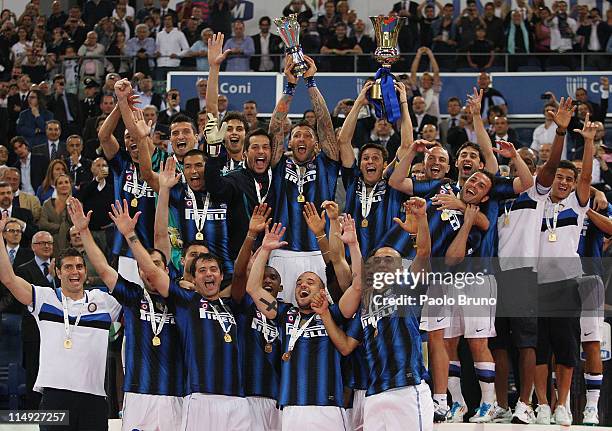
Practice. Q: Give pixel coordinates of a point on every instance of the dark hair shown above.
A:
(494, 109)
(306, 112)
(375, 146)
(249, 101)
(566, 164)
(41, 99)
(68, 252)
(473, 145)
(4, 184)
(256, 132)
(161, 253)
(58, 77)
(18, 139)
(453, 99)
(489, 175)
(489, 4)
(235, 115)
(187, 246)
(195, 152)
(182, 118)
(340, 24)
(304, 124)
(265, 18)
(204, 257)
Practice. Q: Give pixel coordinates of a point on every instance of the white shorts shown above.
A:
(151, 412)
(291, 264)
(407, 409)
(435, 317)
(215, 412)
(319, 418)
(264, 414)
(356, 413)
(473, 320)
(592, 296)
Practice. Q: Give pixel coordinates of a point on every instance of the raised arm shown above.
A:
(406, 130)
(108, 142)
(601, 222)
(523, 179)
(345, 137)
(399, 179)
(81, 222)
(456, 251)
(140, 131)
(157, 278)
(583, 187)
(337, 254)
(281, 110)
(483, 138)
(168, 178)
(435, 68)
(19, 288)
(216, 56)
(418, 208)
(415, 64)
(325, 128)
(562, 118)
(316, 223)
(263, 300)
(349, 303)
(343, 343)
(259, 220)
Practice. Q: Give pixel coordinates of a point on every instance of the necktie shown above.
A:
(12, 253)
(23, 99)
(53, 150)
(453, 122)
(45, 266)
(69, 116)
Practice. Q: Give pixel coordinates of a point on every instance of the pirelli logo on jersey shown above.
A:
(379, 194)
(140, 189)
(207, 313)
(211, 215)
(373, 317)
(146, 316)
(265, 328)
(292, 175)
(315, 329)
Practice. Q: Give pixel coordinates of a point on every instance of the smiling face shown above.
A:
(72, 274)
(476, 189)
(371, 165)
(130, 146)
(234, 137)
(183, 138)
(302, 143)
(272, 281)
(429, 132)
(468, 162)
(193, 169)
(259, 153)
(207, 278)
(307, 286)
(63, 185)
(563, 184)
(437, 163)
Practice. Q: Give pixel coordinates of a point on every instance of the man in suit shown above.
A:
(419, 117)
(598, 111)
(266, 44)
(6, 207)
(502, 132)
(196, 104)
(384, 135)
(107, 104)
(165, 10)
(249, 110)
(21, 199)
(19, 101)
(54, 148)
(146, 95)
(65, 108)
(33, 167)
(79, 168)
(453, 106)
(38, 271)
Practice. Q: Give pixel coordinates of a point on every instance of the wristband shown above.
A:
(289, 88)
(320, 236)
(558, 133)
(251, 237)
(310, 82)
(214, 150)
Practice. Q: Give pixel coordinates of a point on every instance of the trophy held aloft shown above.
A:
(382, 95)
(289, 31)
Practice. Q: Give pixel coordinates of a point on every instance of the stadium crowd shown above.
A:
(233, 256)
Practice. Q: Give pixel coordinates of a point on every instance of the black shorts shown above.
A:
(520, 332)
(561, 336)
(87, 412)
(517, 293)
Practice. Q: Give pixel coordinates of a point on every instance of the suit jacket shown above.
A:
(13, 101)
(444, 126)
(28, 202)
(512, 137)
(192, 107)
(90, 108)
(274, 47)
(58, 109)
(38, 169)
(8, 303)
(603, 33)
(80, 173)
(427, 119)
(31, 273)
(43, 150)
(25, 216)
(33, 128)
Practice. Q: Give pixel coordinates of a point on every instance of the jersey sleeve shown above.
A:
(538, 192)
(502, 189)
(575, 204)
(40, 295)
(425, 189)
(473, 241)
(117, 163)
(176, 194)
(349, 175)
(353, 327)
(126, 292)
(113, 306)
(178, 294)
(334, 310)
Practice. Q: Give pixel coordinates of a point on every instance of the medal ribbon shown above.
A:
(552, 228)
(257, 188)
(154, 326)
(366, 199)
(297, 331)
(137, 191)
(218, 316)
(265, 333)
(66, 320)
(199, 220)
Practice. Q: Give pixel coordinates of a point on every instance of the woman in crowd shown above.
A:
(31, 122)
(47, 189)
(54, 217)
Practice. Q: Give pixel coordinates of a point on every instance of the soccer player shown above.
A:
(369, 198)
(305, 176)
(209, 338)
(311, 387)
(74, 327)
(559, 267)
(154, 371)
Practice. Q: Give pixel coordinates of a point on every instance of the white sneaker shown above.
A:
(562, 417)
(456, 413)
(590, 416)
(484, 414)
(543, 414)
(523, 414)
(441, 413)
(501, 415)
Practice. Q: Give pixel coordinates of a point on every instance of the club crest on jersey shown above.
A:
(92, 307)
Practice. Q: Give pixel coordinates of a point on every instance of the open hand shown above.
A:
(272, 239)
(259, 219)
(121, 217)
(75, 210)
(316, 223)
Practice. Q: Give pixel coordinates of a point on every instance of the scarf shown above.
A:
(564, 28)
(512, 38)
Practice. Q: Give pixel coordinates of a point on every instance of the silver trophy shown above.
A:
(289, 31)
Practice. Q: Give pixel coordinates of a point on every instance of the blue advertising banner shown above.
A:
(521, 90)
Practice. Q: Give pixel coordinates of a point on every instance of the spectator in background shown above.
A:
(453, 107)
(480, 52)
(562, 31)
(384, 135)
(327, 22)
(196, 104)
(79, 168)
(501, 8)
(129, 10)
(494, 26)
(54, 216)
(419, 117)
(142, 47)
(427, 15)
(171, 46)
(58, 43)
(75, 29)
(299, 7)
(467, 26)
(545, 132)
(445, 36)
(173, 107)
(310, 39)
(47, 188)
(192, 34)
(18, 49)
(598, 110)
(492, 114)
(267, 48)
(7, 207)
(340, 45)
(118, 53)
(220, 17)
(75, 241)
(249, 110)
(31, 123)
(428, 86)
(52, 148)
(95, 10)
(92, 54)
(57, 18)
(21, 199)
(503, 132)
(518, 41)
(145, 11)
(31, 166)
(222, 104)
(490, 96)
(4, 156)
(122, 21)
(146, 94)
(542, 32)
(199, 50)
(241, 49)
(65, 107)
(34, 63)
(367, 45)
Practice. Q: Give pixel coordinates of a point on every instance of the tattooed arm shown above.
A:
(277, 122)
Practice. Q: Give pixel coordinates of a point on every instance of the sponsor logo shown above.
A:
(146, 316)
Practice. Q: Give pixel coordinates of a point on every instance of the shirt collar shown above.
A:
(39, 261)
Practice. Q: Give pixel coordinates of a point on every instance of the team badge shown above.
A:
(92, 307)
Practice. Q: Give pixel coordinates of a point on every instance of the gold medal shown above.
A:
(506, 220)
(134, 203)
(156, 341)
(199, 236)
(286, 356)
(552, 237)
(67, 343)
(227, 338)
(301, 199)
(376, 332)
(268, 348)
(445, 215)
(364, 223)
